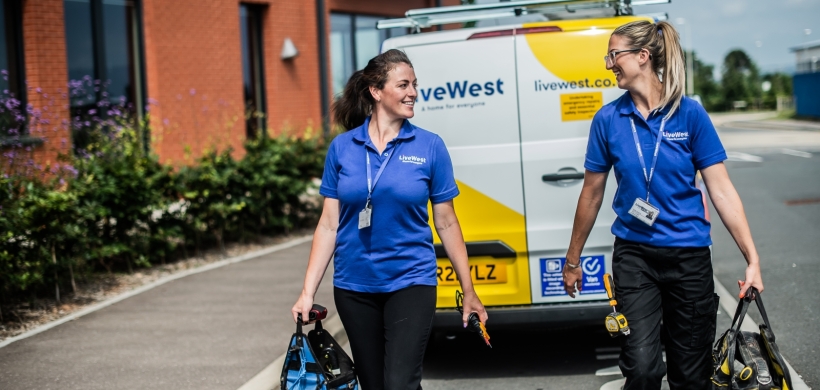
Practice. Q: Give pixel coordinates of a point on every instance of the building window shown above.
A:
(354, 40)
(253, 75)
(12, 81)
(104, 54)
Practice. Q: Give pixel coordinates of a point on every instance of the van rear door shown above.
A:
(562, 82)
(468, 95)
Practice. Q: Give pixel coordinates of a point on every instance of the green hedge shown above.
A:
(113, 207)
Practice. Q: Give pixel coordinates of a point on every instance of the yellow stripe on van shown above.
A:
(484, 219)
(585, 39)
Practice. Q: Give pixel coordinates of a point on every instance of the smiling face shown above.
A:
(628, 66)
(398, 96)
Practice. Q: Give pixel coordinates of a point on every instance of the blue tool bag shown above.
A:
(317, 362)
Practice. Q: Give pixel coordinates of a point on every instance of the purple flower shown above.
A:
(166, 121)
(92, 111)
(193, 92)
(4, 72)
(39, 90)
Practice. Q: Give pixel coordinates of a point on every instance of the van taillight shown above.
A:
(492, 34)
(536, 30)
(515, 31)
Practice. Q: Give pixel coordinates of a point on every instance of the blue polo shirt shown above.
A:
(690, 143)
(396, 251)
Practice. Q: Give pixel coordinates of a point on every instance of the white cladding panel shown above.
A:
(553, 144)
(467, 95)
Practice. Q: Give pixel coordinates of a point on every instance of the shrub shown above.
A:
(112, 206)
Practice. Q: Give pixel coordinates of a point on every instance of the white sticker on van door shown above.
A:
(552, 282)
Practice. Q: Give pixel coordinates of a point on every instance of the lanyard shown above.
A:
(647, 177)
(371, 184)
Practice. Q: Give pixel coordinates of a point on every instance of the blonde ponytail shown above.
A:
(663, 43)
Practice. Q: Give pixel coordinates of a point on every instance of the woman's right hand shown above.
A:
(302, 306)
(573, 278)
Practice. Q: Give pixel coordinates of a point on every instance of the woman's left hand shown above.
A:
(472, 304)
(753, 279)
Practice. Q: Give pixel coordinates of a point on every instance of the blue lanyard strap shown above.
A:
(647, 177)
(371, 183)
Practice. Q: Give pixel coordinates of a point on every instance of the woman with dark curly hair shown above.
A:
(379, 177)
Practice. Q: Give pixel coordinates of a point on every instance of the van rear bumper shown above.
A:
(541, 315)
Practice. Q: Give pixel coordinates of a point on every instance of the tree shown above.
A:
(705, 85)
(741, 80)
(780, 86)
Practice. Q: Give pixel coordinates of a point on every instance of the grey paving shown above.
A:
(213, 330)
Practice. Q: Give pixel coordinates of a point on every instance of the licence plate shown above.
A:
(480, 273)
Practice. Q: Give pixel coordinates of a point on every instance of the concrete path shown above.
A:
(212, 330)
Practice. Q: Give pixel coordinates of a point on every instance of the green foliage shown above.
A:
(781, 86)
(741, 80)
(705, 85)
(112, 206)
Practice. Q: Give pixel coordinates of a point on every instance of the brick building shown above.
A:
(192, 68)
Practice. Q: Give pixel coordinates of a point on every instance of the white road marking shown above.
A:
(614, 385)
(738, 156)
(796, 153)
(614, 370)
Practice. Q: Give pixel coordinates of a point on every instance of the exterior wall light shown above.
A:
(289, 49)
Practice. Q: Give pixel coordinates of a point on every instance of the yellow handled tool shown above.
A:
(615, 322)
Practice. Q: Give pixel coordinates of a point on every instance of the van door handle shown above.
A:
(563, 176)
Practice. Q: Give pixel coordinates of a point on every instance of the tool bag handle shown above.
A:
(731, 336)
(743, 308)
(740, 315)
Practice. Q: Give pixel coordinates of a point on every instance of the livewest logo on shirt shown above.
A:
(412, 159)
(676, 136)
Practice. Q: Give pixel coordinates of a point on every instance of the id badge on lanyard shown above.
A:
(366, 214)
(642, 209)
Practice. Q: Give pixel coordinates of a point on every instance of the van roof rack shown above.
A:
(427, 17)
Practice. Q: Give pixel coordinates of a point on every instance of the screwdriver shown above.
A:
(473, 322)
(475, 325)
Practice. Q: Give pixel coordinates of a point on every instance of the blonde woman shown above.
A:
(656, 140)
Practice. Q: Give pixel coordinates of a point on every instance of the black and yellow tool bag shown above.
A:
(749, 360)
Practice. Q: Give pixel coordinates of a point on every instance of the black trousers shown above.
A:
(676, 285)
(388, 334)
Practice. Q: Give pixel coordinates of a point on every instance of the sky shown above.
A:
(764, 29)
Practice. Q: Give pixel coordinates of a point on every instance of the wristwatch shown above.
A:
(573, 266)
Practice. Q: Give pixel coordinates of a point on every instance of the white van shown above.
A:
(514, 106)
